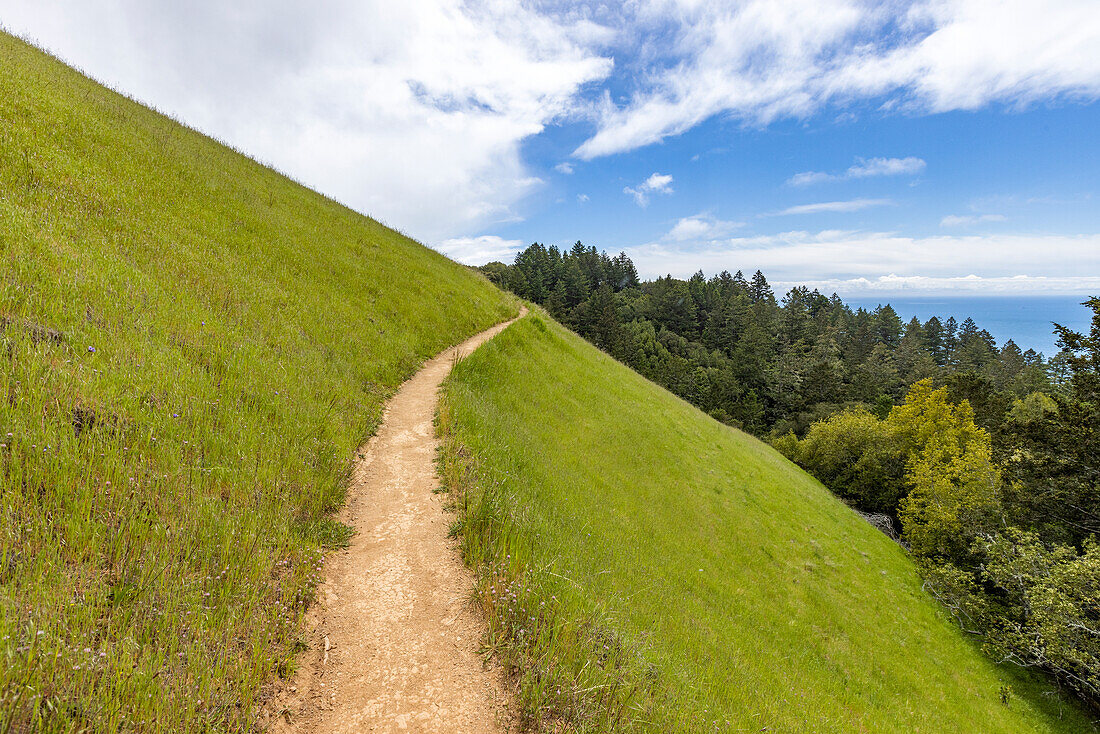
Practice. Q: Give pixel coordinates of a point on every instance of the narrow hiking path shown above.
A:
(395, 640)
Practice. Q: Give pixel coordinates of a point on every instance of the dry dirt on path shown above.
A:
(394, 638)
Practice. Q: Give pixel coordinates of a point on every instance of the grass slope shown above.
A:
(193, 347)
(648, 568)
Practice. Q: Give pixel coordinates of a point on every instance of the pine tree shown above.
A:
(795, 323)
(950, 339)
(976, 350)
(914, 361)
(576, 285)
(759, 290)
(1010, 363)
(889, 326)
(861, 339)
(674, 308)
(739, 283)
(934, 338)
(624, 274)
(719, 332)
(558, 303)
(752, 356)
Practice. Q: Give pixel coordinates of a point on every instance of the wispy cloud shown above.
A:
(658, 183)
(844, 260)
(968, 220)
(851, 205)
(966, 284)
(807, 178)
(479, 250)
(564, 167)
(582, 198)
(863, 168)
(886, 167)
(760, 60)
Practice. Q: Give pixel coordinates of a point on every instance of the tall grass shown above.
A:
(191, 349)
(645, 568)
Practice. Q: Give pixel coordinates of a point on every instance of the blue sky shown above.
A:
(920, 146)
(995, 175)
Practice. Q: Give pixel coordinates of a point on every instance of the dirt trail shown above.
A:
(395, 639)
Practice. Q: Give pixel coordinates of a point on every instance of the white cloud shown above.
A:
(700, 227)
(412, 112)
(480, 250)
(658, 183)
(582, 198)
(966, 220)
(564, 167)
(416, 112)
(851, 205)
(974, 284)
(760, 60)
(864, 168)
(810, 177)
(888, 261)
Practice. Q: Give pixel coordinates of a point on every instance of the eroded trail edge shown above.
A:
(394, 637)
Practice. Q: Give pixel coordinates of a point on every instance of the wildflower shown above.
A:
(91, 350)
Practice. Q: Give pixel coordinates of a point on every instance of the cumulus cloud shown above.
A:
(851, 205)
(564, 167)
(480, 250)
(412, 112)
(887, 261)
(416, 112)
(700, 227)
(658, 183)
(967, 220)
(863, 168)
(760, 60)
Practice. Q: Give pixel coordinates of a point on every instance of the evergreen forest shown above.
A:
(983, 461)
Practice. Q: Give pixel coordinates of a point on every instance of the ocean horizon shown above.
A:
(1026, 320)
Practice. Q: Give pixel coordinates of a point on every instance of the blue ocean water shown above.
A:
(1025, 320)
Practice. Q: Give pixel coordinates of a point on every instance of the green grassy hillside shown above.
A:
(647, 568)
(193, 347)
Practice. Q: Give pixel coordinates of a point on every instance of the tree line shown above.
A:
(769, 366)
(986, 458)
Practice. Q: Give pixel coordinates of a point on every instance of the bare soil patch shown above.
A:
(394, 637)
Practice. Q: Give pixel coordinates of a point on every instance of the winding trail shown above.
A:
(394, 638)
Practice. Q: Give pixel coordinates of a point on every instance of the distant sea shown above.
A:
(1025, 320)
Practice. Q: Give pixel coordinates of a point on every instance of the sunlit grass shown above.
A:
(191, 349)
(645, 567)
